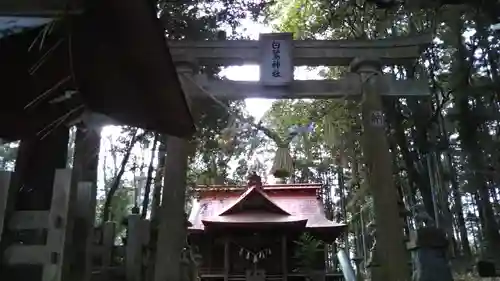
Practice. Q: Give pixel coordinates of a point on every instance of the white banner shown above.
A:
(276, 65)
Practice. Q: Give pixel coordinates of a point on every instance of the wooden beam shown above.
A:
(318, 89)
(305, 52)
(40, 8)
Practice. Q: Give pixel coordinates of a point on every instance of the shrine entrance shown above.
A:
(263, 240)
(251, 253)
(277, 55)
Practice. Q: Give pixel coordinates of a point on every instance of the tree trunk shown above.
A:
(149, 179)
(468, 129)
(116, 181)
(160, 171)
(416, 179)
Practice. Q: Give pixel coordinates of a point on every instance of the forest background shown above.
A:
(445, 147)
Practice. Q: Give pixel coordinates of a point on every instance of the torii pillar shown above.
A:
(171, 216)
(390, 255)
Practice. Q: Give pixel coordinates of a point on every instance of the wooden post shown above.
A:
(133, 250)
(172, 216)
(284, 257)
(4, 195)
(36, 164)
(56, 237)
(391, 252)
(226, 259)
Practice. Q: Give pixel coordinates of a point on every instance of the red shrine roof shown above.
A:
(296, 205)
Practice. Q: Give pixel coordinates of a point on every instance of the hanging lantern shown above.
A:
(283, 163)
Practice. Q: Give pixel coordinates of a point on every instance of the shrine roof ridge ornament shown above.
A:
(390, 51)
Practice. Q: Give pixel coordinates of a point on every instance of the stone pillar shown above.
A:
(390, 246)
(4, 193)
(171, 219)
(429, 247)
(82, 233)
(108, 243)
(133, 249)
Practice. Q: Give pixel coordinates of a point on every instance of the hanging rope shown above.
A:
(283, 165)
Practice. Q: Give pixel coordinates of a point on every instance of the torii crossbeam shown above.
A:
(391, 51)
(279, 59)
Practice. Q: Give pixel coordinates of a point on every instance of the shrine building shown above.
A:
(251, 233)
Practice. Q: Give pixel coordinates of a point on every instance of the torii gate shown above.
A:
(277, 54)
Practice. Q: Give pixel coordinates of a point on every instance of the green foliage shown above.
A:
(205, 20)
(306, 252)
(459, 122)
(202, 19)
(311, 152)
(115, 148)
(8, 154)
(120, 208)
